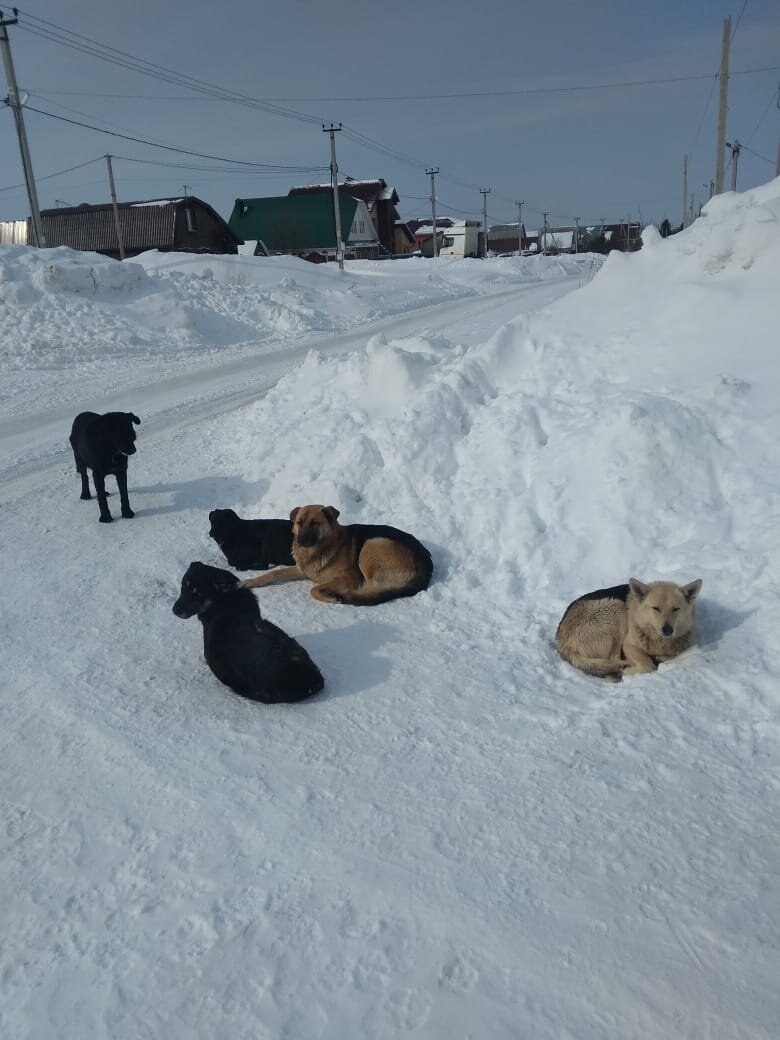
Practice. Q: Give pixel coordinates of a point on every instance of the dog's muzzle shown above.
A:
(667, 630)
(306, 539)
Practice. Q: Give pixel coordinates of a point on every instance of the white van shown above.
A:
(462, 239)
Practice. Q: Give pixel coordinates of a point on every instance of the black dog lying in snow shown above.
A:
(102, 443)
(251, 544)
(244, 651)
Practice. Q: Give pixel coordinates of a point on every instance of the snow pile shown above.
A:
(612, 423)
(161, 303)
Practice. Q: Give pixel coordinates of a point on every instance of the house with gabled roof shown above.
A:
(379, 198)
(184, 224)
(304, 225)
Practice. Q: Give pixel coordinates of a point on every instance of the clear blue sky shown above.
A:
(591, 153)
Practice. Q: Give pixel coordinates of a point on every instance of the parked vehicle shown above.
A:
(462, 239)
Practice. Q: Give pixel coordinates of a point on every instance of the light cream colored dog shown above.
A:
(629, 628)
(363, 564)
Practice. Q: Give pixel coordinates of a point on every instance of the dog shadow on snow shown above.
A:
(348, 658)
(203, 493)
(714, 620)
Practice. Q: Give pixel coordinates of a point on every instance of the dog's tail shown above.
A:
(601, 667)
(372, 597)
(373, 593)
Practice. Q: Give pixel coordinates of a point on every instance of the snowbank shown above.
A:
(59, 307)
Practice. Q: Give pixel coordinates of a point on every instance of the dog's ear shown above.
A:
(294, 513)
(134, 419)
(691, 590)
(226, 582)
(332, 513)
(637, 587)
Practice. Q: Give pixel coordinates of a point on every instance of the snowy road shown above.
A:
(33, 444)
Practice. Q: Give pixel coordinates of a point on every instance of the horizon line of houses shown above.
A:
(302, 223)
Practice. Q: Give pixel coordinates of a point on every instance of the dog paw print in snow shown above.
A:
(458, 976)
(408, 1008)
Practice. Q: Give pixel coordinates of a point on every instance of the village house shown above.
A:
(303, 225)
(379, 199)
(171, 225)
(506, 238)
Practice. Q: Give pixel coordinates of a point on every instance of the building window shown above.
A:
(189, 219)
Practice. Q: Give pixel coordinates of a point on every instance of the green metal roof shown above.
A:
(292, 222)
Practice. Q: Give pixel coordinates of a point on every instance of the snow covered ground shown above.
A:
(462, 836)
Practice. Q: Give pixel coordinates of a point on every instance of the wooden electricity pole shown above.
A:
(432, 174)
(334, 180)
(723, 105)
(115, 208)
(484, 192)
(15, 103)
(685, 192)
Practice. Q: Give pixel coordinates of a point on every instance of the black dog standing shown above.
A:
(245, 652)
(103, 443)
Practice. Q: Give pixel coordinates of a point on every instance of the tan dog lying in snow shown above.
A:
(629, 628)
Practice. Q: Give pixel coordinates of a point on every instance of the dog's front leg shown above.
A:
(327, 594)
(121, 481)
(100, 489)
(82, 472)
(274, 577)
(638, 661)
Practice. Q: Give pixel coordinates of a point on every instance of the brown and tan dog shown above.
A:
(363, 564)
(629, 628)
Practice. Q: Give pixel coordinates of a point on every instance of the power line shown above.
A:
(744, 5)
(90, 116)
(775, 94)
(450, 95)
(168, 147)
(84, 44)
(218, 169)
(706, 108)
(59, 173)
(758, 155)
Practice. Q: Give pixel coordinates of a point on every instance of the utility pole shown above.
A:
(685, 192)
(484, 192)
(520, 226)
(544, 232)
(115, 209)
(736, 148)
(432, 174)
(576, 234)
(16, 105)
(334, 180)
(722, 105)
